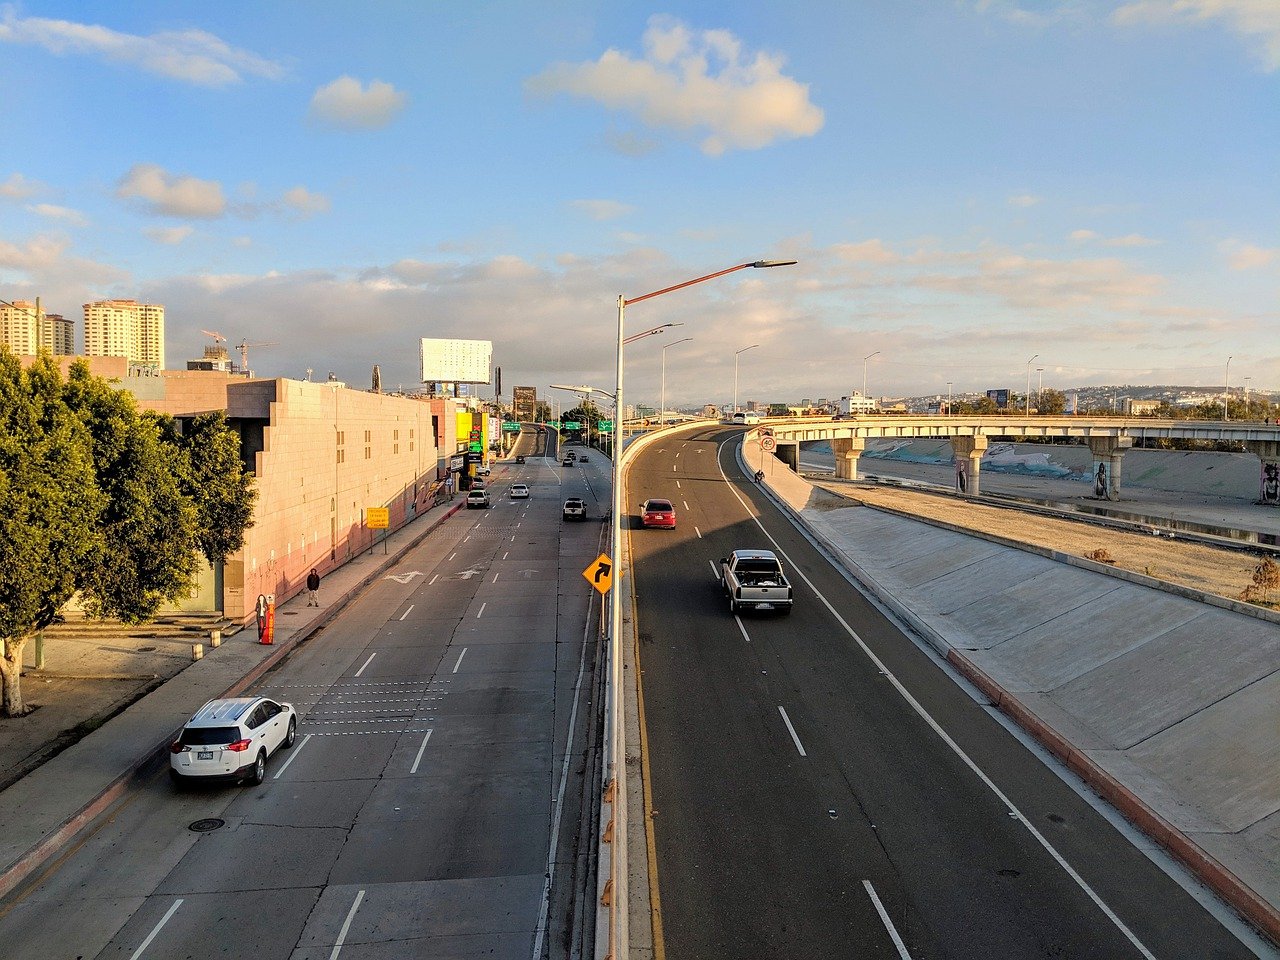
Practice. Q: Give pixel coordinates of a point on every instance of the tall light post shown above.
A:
(662, 403)
(948, 398)
(615, 607)
(735, 373)
(864, 372)
(1039, 386)
(1226, 389)
(1029, 362)
(1246, 398)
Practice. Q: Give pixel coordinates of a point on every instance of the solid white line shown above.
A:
(418, 759)
(346, 925)
(479, 613)
(698, 532)
(293, 755)
(790, 728)
(367, 662)
(156, 929)
(937, 728)
(460, 656)
(888, 924)
(738, 620)
(406, 613)
(434, 578)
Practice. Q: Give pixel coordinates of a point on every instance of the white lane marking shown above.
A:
(495, 578)
(888, 924)
(479, 613)
(293, 755)
(677, 453)
(745, 636)
(406, 613)
(715, 571)
(466, 538)
(460, 656)
(418, 759)
(156, 929)
(504, 556)
(552, 859)
(686, 504)
(451, 556)
(937, 728)
(513, 539)
(673, 468)
(346, 925)
(367, 662)
(677, 484)
(435, 578)
(698, 532)
(790, 729)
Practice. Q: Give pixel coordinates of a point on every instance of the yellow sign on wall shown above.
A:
(377, 518)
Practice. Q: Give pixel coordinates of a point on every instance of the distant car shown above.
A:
(520, 458)
(519, 491)
(478, 499)
(483, 471)
(582, 459)
(570, 455)
(567, 462)
(658, 513)
(231, 739)
(575, 509)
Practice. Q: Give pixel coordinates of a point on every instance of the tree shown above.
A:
(214, 477)
(1051, 402)
(1266, 577)
(49, 504)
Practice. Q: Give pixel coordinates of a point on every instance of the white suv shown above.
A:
(232, 739)
(478, 499)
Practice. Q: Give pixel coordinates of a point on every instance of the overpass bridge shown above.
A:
(1108, 438)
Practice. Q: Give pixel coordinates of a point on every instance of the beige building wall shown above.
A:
(19, 328)
(58, 334)
(125, 328)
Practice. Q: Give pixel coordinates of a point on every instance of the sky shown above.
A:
(964, 184)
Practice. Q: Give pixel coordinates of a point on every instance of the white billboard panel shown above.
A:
(457, 361)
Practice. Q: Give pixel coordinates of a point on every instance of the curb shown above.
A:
(1233, 891)
(149, 762)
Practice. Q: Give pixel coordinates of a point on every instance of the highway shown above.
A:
(819, 785)
(445, 716)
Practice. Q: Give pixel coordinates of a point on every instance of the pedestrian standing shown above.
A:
(313, 588)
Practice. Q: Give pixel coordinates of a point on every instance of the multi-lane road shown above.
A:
(431, 806)
(820, 786)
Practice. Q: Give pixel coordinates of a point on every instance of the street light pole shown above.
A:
(864, 372)
(662, 403)
(1028, 411)
(1246, 398)
(948, 398)
(735, 374)
(1039, 386)
(1226, 390)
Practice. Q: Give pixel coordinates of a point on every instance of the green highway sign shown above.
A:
(554, 423)
(475, 447)
(509, 427)
(605, 426)
(572, 425)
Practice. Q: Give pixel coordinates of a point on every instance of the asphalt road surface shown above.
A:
(414, 815)
(820, 786)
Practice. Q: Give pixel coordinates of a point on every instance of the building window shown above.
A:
(342, 456)
(368, 453)
(395, 447)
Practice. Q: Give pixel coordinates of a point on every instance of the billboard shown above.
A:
(456, 361)
(1001, 397)
(524, 401)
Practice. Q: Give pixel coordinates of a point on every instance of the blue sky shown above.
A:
(965, 184)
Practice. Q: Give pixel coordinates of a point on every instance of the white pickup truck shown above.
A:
(753, 579)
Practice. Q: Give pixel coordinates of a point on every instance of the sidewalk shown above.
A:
(1163, 702)
(43, 811)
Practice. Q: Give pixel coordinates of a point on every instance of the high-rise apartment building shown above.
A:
(58, 334)
(125, 328)
(20, 327)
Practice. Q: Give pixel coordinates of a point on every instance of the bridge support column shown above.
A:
(789, 453)
(1268, 451)
(967, 456)
(1107, 454)
(847, 451)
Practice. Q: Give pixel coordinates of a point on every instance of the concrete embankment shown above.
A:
(1165, 705)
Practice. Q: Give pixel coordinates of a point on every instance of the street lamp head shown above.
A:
(745, 349)
(774, 263)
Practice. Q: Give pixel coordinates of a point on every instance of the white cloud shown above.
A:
(1130, 240)
(18, 187)
(602, 209)
(868, 251)
(165, 194)
(1081, 236)
(192, 56)
(170, 236)
(1247, 256)
(304, 202)
(1023, 200)
(347, 104)
(692, 81)
(73, 217)
(1257, 21)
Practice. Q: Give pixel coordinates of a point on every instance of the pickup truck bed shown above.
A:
(753, 579)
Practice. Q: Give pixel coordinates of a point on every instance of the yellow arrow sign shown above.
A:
(599, 573)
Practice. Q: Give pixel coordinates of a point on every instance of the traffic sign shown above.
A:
(476, 446)
(605, 426)
(554, 423)
(572, 425)
(510, 427)
(767, 444)
(377, 518)
(599, 573)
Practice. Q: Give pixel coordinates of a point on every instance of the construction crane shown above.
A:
(217, 337)
(243, 346)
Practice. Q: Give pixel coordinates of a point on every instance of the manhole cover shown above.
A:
(204, 826)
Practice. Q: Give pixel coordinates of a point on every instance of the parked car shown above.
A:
(658, 513)
(575, 509)
(478, 499)
(482, 471)
(520, 458)
(519, 491)
(232, 739)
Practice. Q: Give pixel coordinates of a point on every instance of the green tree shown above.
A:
(1051, 402)
(49, 504)
(214, 477)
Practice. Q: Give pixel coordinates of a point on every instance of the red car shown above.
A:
(658, 513)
